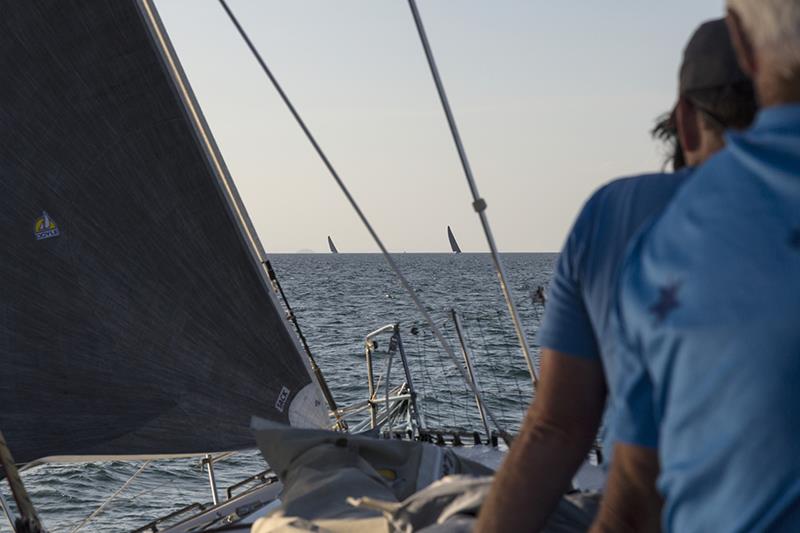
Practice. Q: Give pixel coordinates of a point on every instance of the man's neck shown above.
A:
(774, 90)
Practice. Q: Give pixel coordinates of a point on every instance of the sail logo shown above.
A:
(45, 227)
(283, 396)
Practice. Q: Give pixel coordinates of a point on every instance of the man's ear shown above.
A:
(688, 124)
(742, 44)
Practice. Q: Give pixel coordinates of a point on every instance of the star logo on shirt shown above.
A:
(667, 302)
(794, 238)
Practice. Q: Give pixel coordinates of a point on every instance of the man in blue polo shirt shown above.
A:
(562, 424)
(709, 315)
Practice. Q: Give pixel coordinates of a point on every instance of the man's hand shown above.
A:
(555, 438)
(631, 502)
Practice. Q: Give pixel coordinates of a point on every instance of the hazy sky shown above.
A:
(553, 99)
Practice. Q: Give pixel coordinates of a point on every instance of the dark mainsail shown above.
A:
(135, 315)
(332, 246)
(453, 242)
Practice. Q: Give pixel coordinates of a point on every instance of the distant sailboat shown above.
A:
(453, 242)
(332, 246)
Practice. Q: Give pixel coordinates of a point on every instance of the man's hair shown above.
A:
(721, 108)
(666, 131)
(774, 28)
(733, 106)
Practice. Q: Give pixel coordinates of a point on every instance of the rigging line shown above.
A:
(388, 410)
(479, 204)
(323, 384)
(521, 404)
(335, 175)
(111, 498)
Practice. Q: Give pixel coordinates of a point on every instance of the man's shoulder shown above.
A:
(630, 199)
(614, 214)
(662, 183)
(707, 199)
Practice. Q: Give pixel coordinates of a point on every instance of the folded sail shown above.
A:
(453, 242)
(135, 314)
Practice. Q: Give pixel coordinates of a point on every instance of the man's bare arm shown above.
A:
(555, 438)
(631, 501)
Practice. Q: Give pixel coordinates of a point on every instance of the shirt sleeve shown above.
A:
(632, 391)
(634, 409)
(566, 326)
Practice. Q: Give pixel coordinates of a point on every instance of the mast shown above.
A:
(29, 519)
(332, 246)
(453, 243)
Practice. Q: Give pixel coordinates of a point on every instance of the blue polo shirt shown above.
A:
(709, 321)
(582, 290)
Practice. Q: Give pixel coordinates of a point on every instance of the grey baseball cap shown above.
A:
(709, 60)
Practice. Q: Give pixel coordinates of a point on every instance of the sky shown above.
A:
(553, 99)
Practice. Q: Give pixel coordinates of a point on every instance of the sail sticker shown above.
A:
(280, 403)
(45, 227)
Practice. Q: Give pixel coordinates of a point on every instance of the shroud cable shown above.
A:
(479, 204)
(389, 259)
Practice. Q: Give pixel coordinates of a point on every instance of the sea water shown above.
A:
(338, 299)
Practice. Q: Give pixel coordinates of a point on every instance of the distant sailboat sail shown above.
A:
(453, 242)
(136, 318)
(332, 246)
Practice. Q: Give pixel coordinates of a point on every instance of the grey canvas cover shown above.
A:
(336, 483)
(323, 471)
(135, 318)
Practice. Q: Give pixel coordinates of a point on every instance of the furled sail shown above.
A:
(332, 246)
(453, 242)
(136, 318)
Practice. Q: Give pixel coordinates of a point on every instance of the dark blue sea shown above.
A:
(338, 300)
